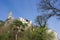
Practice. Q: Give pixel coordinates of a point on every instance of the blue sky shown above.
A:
(26, 9)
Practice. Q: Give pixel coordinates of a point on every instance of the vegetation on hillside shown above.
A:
(1, 23)
(17, 31)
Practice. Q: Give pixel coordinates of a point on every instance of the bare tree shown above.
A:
(46, 5)
(42, 20)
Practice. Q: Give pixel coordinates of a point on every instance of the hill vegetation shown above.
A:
(17, 31)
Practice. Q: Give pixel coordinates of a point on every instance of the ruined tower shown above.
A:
(10, 15)
(9, 19)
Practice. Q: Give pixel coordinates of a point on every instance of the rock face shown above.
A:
(55, 34)
(28, 22)
(25, 21)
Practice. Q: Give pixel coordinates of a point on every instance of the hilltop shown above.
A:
(23, 29)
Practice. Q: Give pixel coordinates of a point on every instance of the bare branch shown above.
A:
(49, 5)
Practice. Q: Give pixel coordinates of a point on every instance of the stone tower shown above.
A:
(9, 19)
(10, 15)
